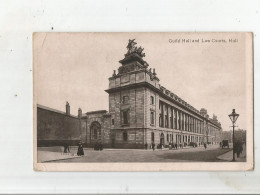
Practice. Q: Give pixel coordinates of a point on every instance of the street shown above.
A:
(131, 155)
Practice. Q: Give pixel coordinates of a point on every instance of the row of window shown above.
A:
(173, 118)
(169, 137)
(96, 133)
(179, 138)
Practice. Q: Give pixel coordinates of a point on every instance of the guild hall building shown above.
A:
(141, 111)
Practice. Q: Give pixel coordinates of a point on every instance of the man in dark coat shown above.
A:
(100, 146)
(66, 147)
(238, 148)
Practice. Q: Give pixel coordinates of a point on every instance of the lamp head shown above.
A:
(233, 116)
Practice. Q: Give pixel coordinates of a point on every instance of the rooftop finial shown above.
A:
(114, 73)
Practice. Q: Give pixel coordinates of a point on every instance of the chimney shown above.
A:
(67, 108)
(79, 113)
(154, 72)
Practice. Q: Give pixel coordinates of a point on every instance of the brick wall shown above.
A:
(55, 128)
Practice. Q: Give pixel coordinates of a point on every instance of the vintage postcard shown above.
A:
(143, 101)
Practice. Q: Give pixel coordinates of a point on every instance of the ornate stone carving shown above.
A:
(131, 48)
(125, 69)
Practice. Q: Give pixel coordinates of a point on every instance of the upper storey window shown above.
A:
(125, 100)
(152, 117)
(125, 117)
(152, 100)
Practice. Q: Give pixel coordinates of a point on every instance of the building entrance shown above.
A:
(95, 130)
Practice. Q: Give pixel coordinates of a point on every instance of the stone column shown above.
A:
(177, 119)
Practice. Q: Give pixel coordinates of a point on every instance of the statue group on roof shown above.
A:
(131, 48)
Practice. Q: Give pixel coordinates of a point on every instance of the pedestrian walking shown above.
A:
(153, 146)
(205, 146)
(146, 146)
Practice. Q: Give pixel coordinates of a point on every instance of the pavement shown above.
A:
(50, 154)
(188, 154)
(212, 154)
(229, 156)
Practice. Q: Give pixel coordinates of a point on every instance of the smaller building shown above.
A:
(98, 125)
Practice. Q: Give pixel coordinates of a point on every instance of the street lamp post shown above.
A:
(233, 117)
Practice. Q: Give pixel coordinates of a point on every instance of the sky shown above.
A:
(75, 67)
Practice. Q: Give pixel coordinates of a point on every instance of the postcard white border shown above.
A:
(20, 19)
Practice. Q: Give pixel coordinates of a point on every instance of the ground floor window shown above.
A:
(162, 139)
(125, 136)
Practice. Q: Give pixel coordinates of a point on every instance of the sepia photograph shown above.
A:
(143, 101)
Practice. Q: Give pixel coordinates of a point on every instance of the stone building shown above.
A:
(142, 111)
